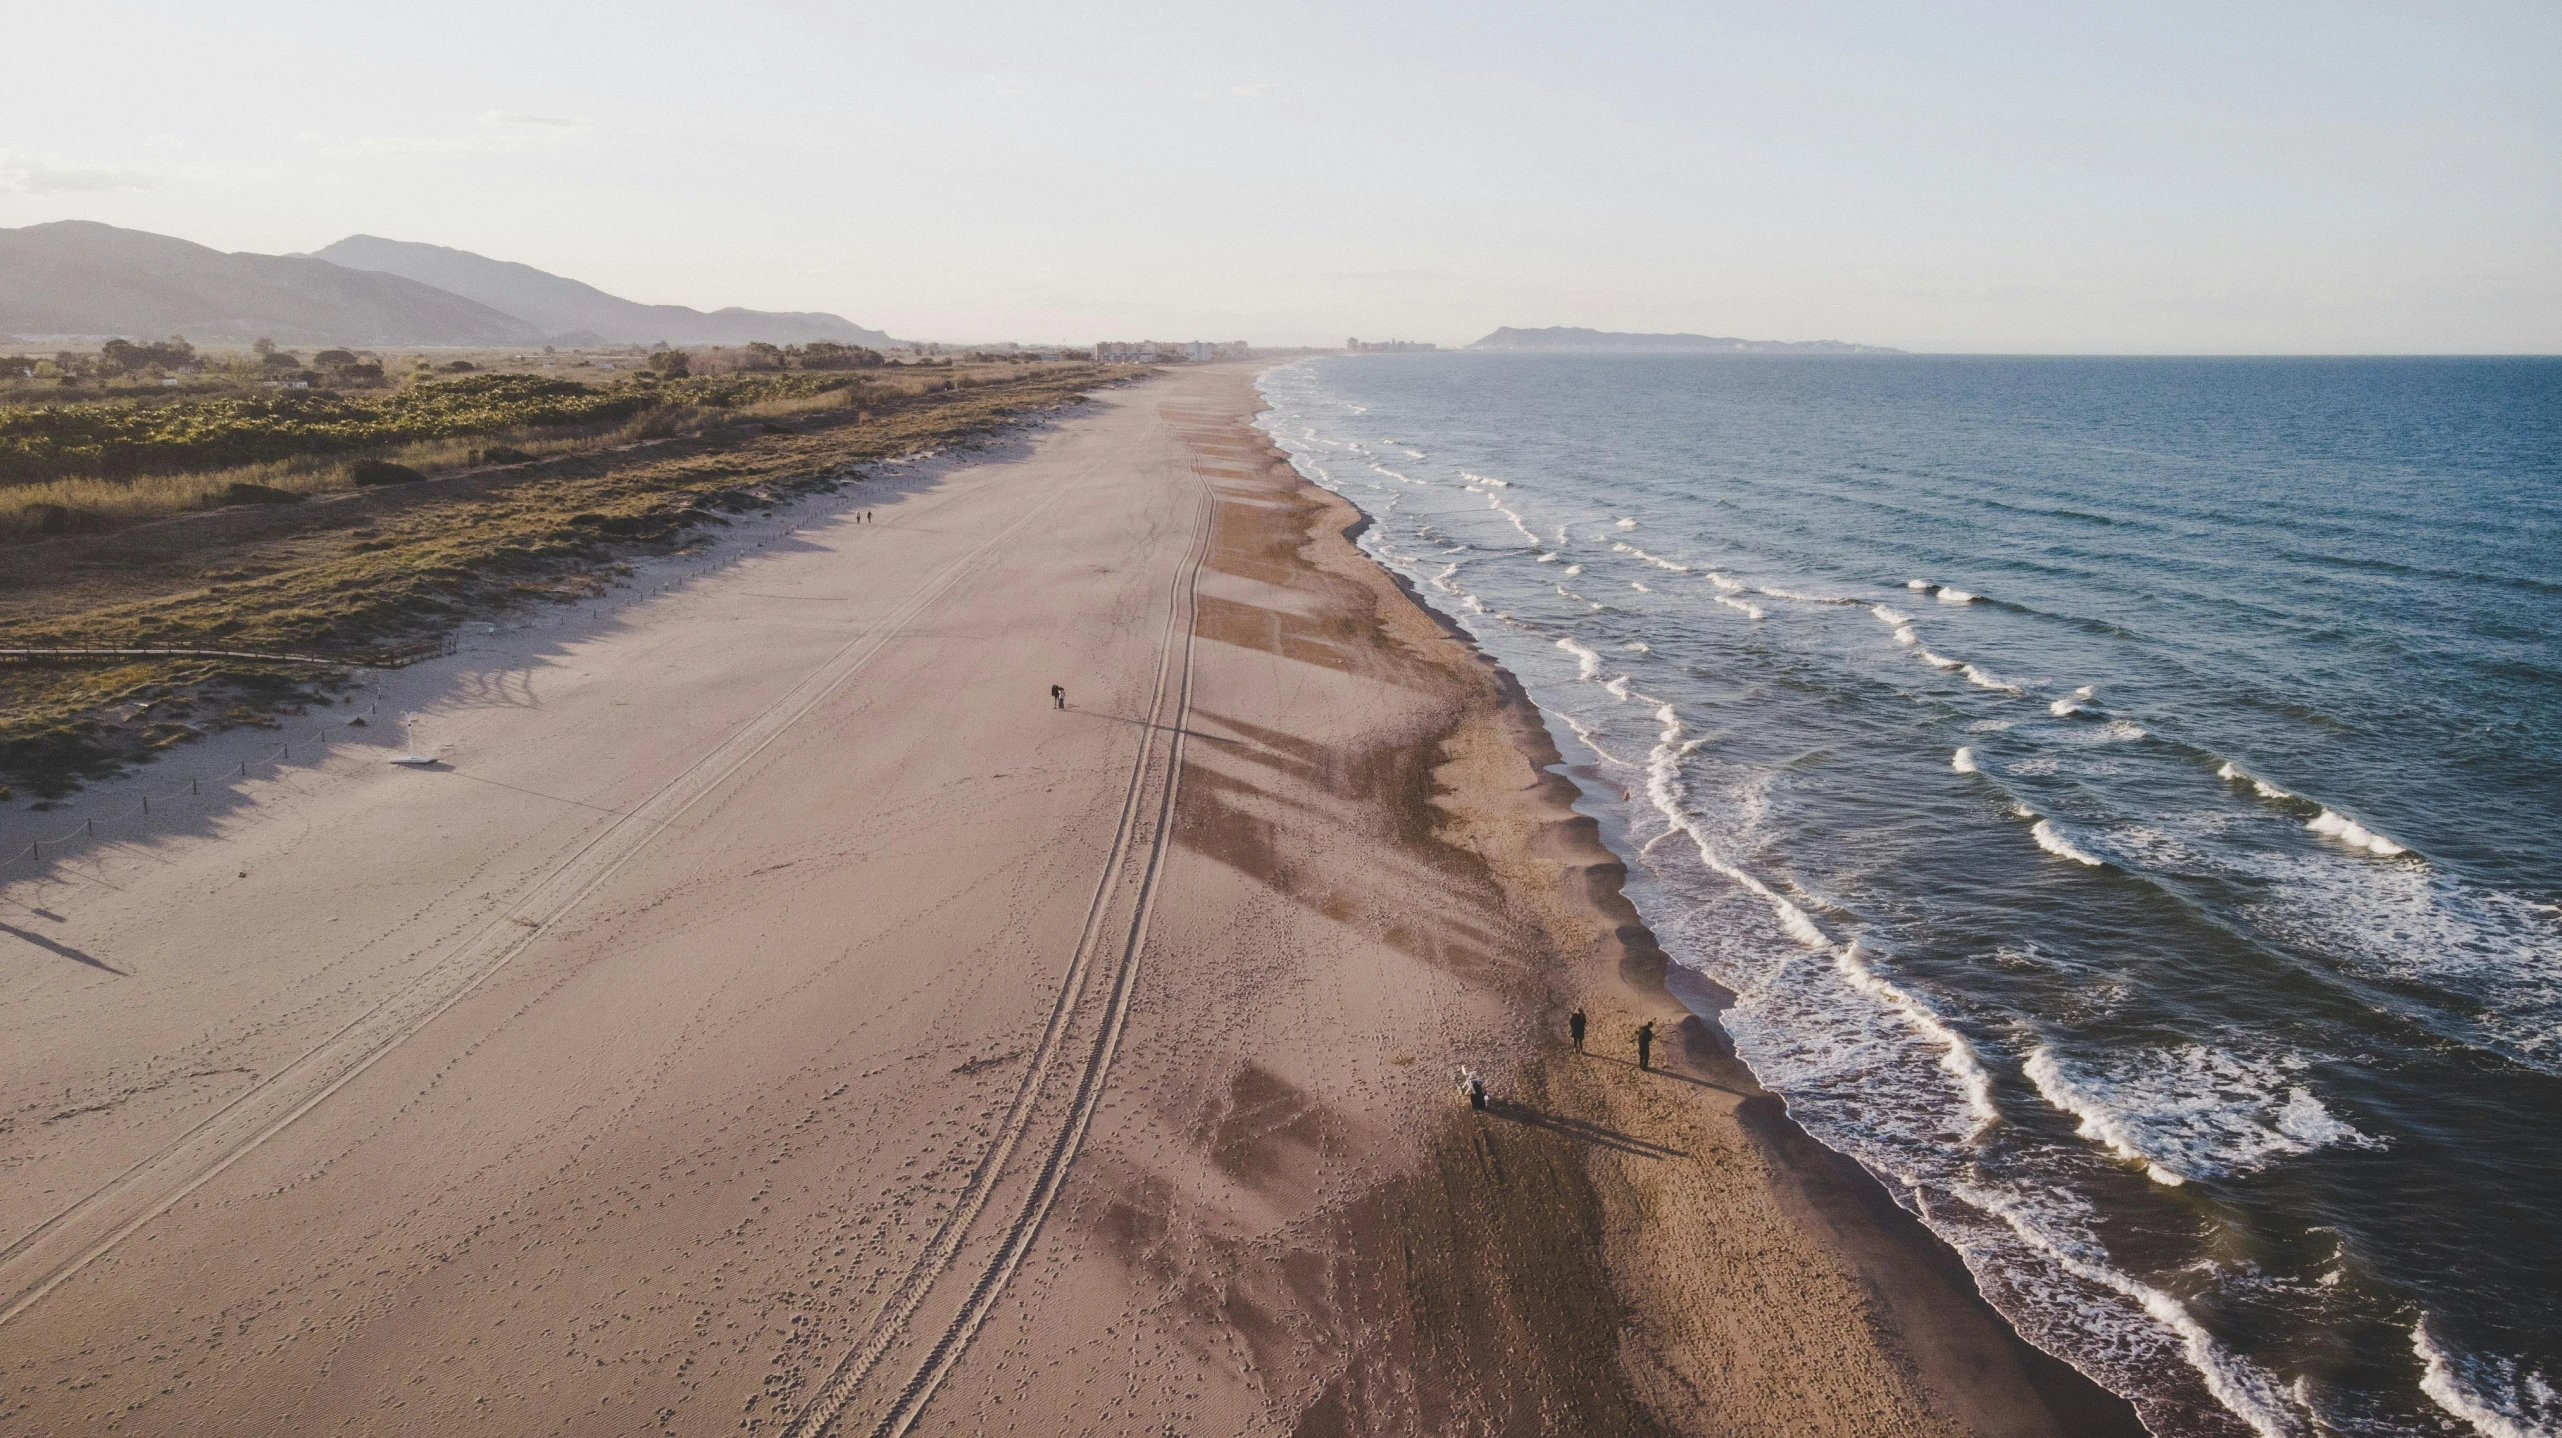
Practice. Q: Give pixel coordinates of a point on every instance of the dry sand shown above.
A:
(774, 1015)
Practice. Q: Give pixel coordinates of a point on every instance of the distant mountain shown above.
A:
(78, 277)
(1606, 341)
(565, 308)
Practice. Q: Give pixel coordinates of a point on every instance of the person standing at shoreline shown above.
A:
(1646, 1044)
(1574, 1027)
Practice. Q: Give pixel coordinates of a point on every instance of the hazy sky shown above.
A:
(2191, 178)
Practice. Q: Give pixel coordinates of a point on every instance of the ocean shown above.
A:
(2118, 801)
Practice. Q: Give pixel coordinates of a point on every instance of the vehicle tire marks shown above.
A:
(47, 1256)
(1172, 691)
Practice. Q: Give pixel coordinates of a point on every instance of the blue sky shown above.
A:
(2171, 178)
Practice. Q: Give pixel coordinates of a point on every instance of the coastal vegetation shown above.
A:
(512, 494)
(94, 465)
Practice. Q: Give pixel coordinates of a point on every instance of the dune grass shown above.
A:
(349, 574)
(106, 465)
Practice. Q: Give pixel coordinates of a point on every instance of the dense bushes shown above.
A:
(114, 439)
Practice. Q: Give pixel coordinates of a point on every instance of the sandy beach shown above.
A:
(772, 1014)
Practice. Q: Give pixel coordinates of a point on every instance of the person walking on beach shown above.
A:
(1646, 1044)
(1058, 696)
(1574, 1026)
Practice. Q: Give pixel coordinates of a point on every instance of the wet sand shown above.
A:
(774, 1015)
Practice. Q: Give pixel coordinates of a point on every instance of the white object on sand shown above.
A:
(413, 759)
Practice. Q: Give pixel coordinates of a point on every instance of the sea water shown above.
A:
(2118, 801)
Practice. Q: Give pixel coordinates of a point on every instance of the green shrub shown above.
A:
(367, 472)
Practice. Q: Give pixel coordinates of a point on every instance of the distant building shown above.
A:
(1157, 352)
(1387, 346)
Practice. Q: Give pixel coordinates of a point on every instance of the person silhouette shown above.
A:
(1646, 1044)
(1058, 696)
(1472, 1088)
(1574, 1027)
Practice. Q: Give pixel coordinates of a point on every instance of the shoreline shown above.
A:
(1957, 1344)
(774, 999)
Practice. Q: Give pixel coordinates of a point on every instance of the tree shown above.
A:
(125, 357)
(821, 354)
(672, 364)
(262, 347)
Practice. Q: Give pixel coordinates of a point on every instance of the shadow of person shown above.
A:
(65, 950)
(1659, 1071)
(1581, 1130)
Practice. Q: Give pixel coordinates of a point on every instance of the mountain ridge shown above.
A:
(573, 309)
(87, 280)
(81, 277)
(1565, 339)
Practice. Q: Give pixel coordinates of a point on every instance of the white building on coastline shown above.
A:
(1156, 352)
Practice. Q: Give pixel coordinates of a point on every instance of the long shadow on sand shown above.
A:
(1659, 1071)
(1581, 1130)
(65, 950)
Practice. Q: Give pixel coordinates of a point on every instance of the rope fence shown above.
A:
(62, 845)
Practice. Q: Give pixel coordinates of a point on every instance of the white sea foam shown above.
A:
(2501, 953)
(1983, 678)
(1950, 594)
(2233, 772)
(1963, 761)
(1775, 592)
(1906, 636)
(1585, 737)
(2194, 1111)
(1626, 523)
(1572, 569)
(1619, 687)
(1587, 661)
(2329, 823)
(2070, 703)
(1474, 478)
(1637, 646)
(2098, 1123)
(2054, 841)
(2124, 730)
(1746, 605)
(1640, 588)
(1665, 787)
(1938, 661)
(1919, 585)
(1528, 535)
(1957, 1056)
(2354, 834)
(2246, 1390)
(1657, 560)
(2488, 1393)
(1892, 618)
(1548, 558)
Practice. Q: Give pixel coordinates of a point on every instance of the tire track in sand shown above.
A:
(48, 1255)
(1123, 870)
